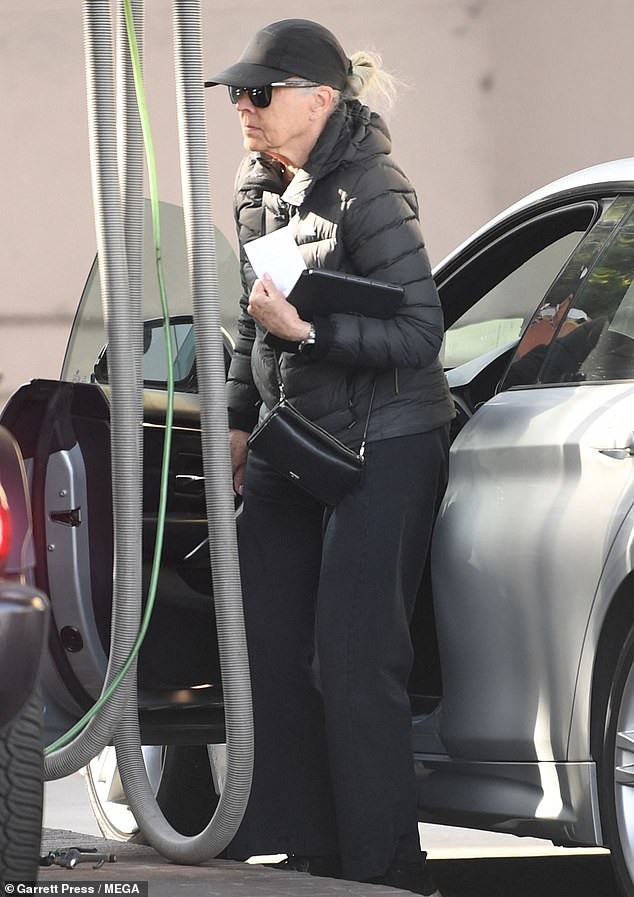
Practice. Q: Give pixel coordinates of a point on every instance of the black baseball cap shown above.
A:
(290, 47)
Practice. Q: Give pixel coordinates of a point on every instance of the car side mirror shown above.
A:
(181, 335)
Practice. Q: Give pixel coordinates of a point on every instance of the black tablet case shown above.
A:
(319, 293)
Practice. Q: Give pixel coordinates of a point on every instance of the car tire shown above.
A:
(186, 780)
(616, 774)
(21, 794)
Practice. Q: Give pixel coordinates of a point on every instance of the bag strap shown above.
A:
(278, 374)
(280, 384)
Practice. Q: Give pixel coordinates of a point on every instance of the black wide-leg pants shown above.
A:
(327, 598)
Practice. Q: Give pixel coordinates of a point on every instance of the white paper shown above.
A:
(277, 255)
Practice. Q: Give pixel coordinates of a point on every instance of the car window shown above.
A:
(87, 338)
(491, 298)
(584, 329)
(183, 351)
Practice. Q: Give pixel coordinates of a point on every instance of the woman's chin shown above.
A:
(253, 142)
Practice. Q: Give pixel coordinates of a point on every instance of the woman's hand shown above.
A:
(239, 450)
(271, 308)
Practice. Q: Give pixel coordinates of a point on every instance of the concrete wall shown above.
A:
(503, 95)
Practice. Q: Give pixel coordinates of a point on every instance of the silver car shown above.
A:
(522, 691)
(533, 551)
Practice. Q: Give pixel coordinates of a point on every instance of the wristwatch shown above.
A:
(306, 345)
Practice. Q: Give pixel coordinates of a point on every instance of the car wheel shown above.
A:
(186, 779)
(21, 794)
(617, 768)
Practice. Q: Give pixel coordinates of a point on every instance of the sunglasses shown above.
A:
(261, 96)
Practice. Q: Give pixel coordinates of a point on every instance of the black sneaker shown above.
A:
(409, 876)
(328, 866)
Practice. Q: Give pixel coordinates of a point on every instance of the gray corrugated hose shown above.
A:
(218, 489)
(126, 398)
(119, 241)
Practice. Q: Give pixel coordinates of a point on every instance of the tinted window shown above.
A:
(489, 301)
(584, 329)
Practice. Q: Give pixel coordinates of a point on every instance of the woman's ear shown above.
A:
(323, 97)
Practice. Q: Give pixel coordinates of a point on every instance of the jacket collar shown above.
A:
(352, 132)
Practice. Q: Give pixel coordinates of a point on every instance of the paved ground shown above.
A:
(217, 878)
(555, 876)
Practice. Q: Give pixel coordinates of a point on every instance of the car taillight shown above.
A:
(5, 529)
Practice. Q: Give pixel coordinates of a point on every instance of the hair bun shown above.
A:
(369, 76)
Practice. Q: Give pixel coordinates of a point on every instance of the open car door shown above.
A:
(63, 430)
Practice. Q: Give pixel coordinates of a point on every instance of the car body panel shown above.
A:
(556, 801)
(617, 579)
(531, 464)
(595, 180)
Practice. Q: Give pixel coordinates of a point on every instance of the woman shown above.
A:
(328, 593)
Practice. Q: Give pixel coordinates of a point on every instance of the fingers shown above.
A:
(269, 287)
(270, 307)
(266, 303)
(262, 292)
(238, 448)
(238, 480)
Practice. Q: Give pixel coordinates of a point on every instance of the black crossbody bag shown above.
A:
(307, 454)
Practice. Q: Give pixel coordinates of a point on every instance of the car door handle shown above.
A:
(618, 453)
(622, 448)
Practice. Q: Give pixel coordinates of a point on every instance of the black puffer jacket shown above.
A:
(351, 209)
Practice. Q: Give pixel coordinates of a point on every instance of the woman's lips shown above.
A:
(249, 127)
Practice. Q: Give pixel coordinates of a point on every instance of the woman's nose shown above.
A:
(244, 103)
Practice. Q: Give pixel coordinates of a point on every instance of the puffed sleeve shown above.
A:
(243, 399)
(383, 240)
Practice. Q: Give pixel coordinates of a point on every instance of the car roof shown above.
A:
(618, 172)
